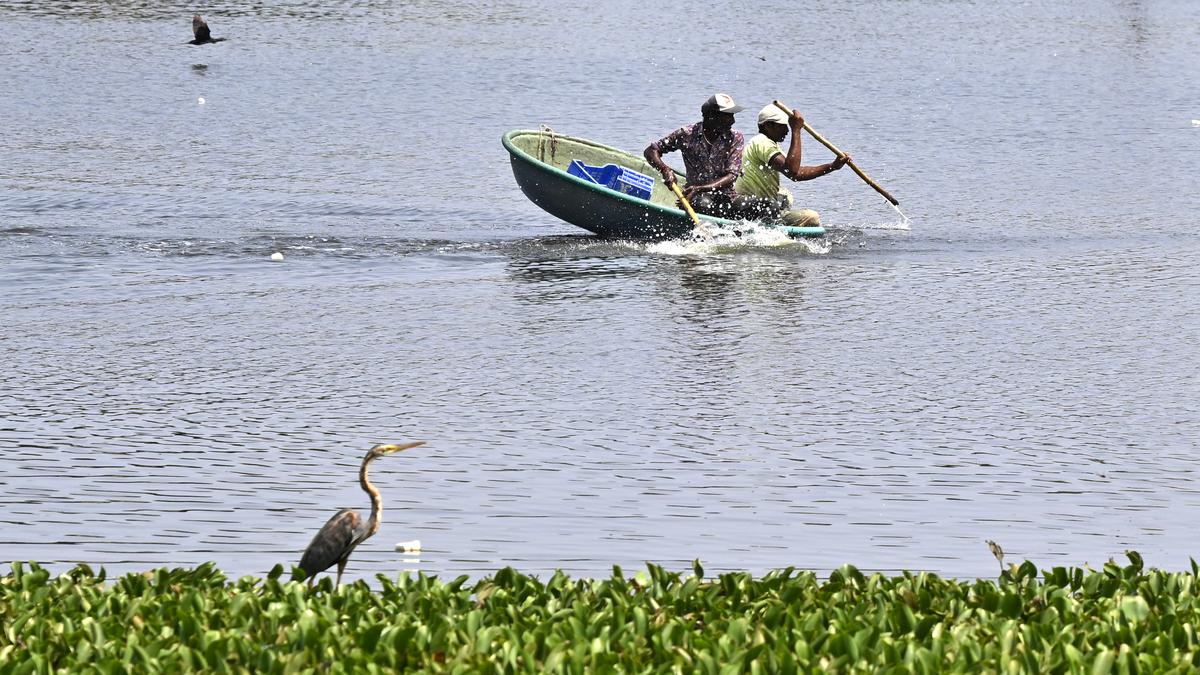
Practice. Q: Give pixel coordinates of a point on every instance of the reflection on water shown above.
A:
(1017, 366)
(1136, 15)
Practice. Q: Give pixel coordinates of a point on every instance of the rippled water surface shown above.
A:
(1021, 364)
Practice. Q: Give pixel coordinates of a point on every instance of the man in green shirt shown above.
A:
(760, 194)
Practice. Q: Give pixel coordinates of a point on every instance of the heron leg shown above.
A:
(341, 568)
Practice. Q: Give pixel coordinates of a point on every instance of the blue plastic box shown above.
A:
(614, 177)
(580, 170)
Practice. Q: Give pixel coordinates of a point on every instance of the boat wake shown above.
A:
(744, 236)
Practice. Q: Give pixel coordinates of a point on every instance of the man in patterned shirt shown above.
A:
(712, 156)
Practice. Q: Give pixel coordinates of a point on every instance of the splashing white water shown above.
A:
(904, 224)
(744, 236)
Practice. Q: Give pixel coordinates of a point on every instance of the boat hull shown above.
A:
(539, 162)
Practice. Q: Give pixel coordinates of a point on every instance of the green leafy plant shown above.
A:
(1119, 619)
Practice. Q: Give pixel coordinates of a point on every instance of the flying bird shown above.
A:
(338, 538)
(200, 30)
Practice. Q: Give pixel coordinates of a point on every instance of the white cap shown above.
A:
(722, 103)
(772, 113)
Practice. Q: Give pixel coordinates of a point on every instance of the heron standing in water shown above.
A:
(345, 530)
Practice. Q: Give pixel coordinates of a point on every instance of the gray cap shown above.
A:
(772, 113)
(721, 103)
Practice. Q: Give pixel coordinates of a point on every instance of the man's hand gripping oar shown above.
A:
(698, 229)
(840, 154)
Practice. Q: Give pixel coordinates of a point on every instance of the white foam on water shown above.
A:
(900, 227)
(904, 224)
(724, 240)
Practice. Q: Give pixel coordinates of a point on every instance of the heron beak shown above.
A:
(389, 449)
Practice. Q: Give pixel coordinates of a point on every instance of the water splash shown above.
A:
(904, 224)
(745, 236)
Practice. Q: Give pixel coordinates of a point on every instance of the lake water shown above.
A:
(1022, 363)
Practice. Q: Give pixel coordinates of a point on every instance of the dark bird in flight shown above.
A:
(338, 538)
(203, 35)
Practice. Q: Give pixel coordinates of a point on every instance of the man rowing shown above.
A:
(712, 156)
(760, 196)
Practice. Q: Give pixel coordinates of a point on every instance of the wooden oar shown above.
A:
(700, 229)
(840, 154)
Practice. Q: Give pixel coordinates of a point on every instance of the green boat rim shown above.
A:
(547, 168)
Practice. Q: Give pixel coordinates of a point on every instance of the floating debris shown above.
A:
(276, 256)
(413, 546)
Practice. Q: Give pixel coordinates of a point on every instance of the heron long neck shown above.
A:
(376, 500)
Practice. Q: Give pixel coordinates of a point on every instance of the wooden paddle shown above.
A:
(699, 229)
(840, 154)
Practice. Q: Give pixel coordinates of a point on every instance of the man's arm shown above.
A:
(654, 158)
(692, 190)
(790, 165)
(654, 152)
(807, 172)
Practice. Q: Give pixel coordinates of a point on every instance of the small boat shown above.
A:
(540, 162)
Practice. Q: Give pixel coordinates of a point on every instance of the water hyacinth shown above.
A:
(1119, 619)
